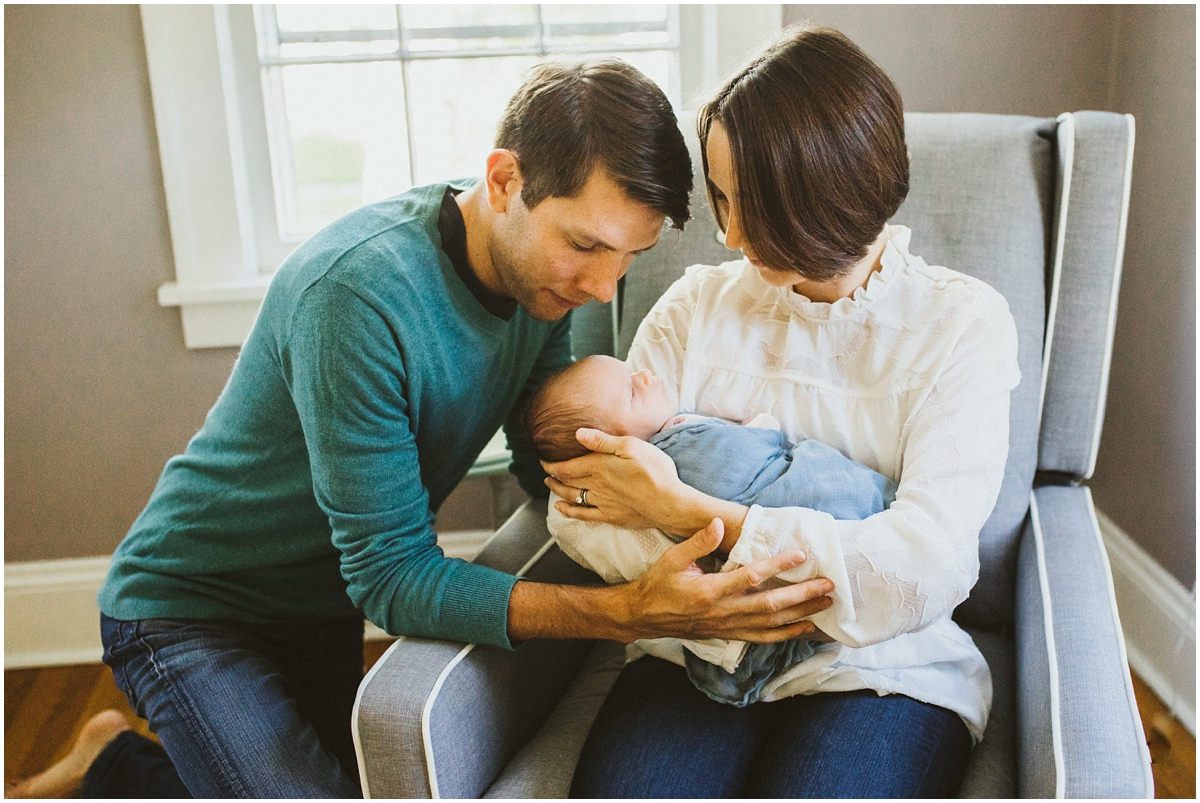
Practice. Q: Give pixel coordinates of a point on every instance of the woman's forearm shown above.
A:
(631, 483)
(694, 509)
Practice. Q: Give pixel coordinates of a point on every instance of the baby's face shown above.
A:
(636, 404)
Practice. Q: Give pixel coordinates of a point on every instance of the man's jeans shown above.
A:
(657, 736)
(243, 710)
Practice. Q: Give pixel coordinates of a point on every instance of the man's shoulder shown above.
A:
(387, 249)
(402, 228)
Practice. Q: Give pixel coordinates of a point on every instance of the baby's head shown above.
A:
(598, 392)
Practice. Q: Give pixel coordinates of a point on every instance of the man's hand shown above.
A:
(676, 599)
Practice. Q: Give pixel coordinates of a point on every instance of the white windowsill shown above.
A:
(216, 314)
(238, 291)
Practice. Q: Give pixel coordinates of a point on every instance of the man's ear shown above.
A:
(503, 179)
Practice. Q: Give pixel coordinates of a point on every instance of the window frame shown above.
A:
(207, 96)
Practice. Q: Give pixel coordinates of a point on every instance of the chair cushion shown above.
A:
(545, 765)
(992, 770)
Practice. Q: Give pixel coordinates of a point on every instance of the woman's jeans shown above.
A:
(243, 710)
(657, 736)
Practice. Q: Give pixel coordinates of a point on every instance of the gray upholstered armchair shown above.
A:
(1035, 207)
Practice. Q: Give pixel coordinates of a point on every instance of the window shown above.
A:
(275, 120)
(363, 102)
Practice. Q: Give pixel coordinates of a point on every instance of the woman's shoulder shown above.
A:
(703, 286)
(949, 305)
(937, 287)
(714, 275)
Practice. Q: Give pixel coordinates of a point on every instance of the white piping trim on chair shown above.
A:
(358, 751)
(496, 532)
(536, 557)
(1143, 746)
(1060, 775)
(426, 712)
(426, 734)
(1102, 390)
(1066, 171)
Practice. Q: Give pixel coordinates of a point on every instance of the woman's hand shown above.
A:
(630, 483)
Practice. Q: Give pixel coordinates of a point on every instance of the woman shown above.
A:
(830, 325)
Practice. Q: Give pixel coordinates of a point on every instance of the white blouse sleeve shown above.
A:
(903, 569)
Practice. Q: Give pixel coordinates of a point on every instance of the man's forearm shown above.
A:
(541, 610)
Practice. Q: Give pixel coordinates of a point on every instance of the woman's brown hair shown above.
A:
(816, 130)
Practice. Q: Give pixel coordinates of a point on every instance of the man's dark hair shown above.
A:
(816, 130)
(567, 119)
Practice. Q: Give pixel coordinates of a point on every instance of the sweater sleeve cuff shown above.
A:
(476, 605)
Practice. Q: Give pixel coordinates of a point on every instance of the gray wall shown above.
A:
(100, 391)
(1014, 59)
(1146, 475)
(1043, 60)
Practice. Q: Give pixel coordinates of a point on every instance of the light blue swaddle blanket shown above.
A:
(759, 466)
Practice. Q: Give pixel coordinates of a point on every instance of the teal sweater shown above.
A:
(370, 383)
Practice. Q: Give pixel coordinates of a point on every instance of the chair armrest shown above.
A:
(1078, 729)
(441, 718)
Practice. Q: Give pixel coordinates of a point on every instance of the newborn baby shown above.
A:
(752, 464)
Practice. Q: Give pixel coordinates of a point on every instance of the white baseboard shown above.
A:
(1158, 616)
(50, 613)
(51, 617)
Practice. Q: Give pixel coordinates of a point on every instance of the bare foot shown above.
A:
(65, 778)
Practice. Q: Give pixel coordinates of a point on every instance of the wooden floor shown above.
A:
(45, 708)
(1172, 748)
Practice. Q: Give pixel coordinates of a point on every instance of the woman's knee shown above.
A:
(657, 736)
(858, 744)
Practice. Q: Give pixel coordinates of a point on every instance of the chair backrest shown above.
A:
(983, 201)
(1036, 208)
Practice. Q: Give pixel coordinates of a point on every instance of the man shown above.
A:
(388, 349)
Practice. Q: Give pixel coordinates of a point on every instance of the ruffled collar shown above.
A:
(895, 258)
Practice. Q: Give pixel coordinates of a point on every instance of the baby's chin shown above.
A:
(644, 430)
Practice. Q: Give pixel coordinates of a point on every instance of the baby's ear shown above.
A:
(598, 441)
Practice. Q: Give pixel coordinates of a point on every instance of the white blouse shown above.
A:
(911, 377)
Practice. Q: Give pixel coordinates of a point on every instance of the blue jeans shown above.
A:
(245, 710)
(657, 736)
(130, 767)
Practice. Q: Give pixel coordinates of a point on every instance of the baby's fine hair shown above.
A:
(551, 419)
